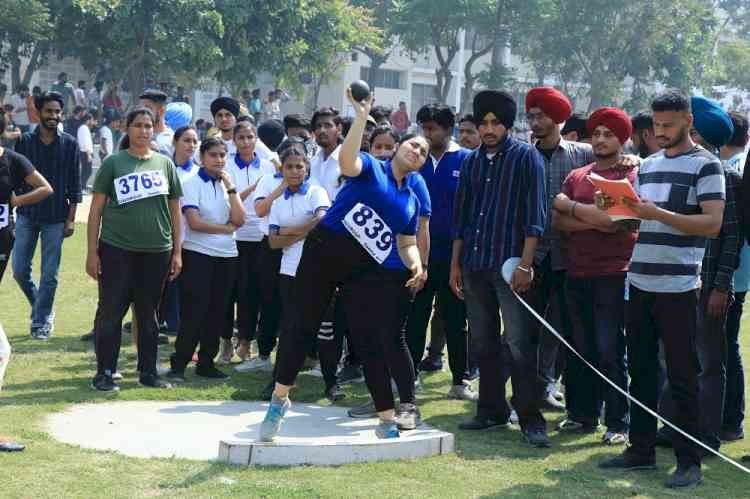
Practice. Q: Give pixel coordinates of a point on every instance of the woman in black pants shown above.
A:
(213, 211)
(374, 210)
(136, 203)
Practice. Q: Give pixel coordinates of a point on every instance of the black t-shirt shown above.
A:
(14, 168)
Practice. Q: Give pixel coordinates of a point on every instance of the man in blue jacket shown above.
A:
(441, 172)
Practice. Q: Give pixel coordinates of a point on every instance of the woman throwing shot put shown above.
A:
(373, 211)
(137, 204)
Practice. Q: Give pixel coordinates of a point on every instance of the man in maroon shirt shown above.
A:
(400, 119)
(598, 256)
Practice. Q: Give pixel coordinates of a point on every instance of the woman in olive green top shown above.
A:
(136, 202)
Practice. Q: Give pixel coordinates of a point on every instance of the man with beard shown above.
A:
(599, 251)
(682, 192)
(546, 109)
(489, 228)
(644, 141)
(325, 172)
(56, 156)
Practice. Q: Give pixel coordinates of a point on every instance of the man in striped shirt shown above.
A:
(682, 195)
(499, 213)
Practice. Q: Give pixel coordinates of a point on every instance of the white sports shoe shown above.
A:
(255, 364)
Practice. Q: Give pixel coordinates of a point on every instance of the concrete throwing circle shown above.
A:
(227, 432)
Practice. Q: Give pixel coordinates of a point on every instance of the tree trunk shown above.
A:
(15, 66)
(376, 61)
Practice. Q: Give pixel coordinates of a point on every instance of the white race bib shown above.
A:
(370, 231)
(4, 215)
(140, 185)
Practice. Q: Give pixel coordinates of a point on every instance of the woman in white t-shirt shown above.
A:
(213, 211)
(246, 168)
(293, 215)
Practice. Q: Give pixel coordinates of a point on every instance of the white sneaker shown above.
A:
(315, 371)
(255, 364)
(464, 391)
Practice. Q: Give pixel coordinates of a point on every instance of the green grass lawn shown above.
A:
(46, 377)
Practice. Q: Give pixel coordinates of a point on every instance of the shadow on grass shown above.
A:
(597, 483)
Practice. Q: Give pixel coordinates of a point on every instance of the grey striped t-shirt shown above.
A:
(666, 260)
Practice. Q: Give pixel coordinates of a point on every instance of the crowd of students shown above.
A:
(329, 240)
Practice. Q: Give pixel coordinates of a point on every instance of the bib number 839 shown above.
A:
(373, 230)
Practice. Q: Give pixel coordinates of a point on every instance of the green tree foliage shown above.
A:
(601, 43)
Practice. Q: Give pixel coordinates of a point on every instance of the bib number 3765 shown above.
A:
(4, 215)
(370, 231)
(140, 185)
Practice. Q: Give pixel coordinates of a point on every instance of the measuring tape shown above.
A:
(507, 272)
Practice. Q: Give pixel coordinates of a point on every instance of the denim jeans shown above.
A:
(41, 297)
(547, 296)
(486, 294)
(597, 311)
(734, 402)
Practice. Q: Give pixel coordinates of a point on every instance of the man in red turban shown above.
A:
(599, 253)
(614, 120)
(546, 109)
(551, 102)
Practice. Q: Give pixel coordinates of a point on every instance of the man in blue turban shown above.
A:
(712, 126)
(179, 114)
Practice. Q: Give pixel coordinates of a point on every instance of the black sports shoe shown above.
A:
(177, 376)
(334, 393)
(350, 373)
(482, 423)
(104, 383)
(210, 372)
(88, 336)
(629, 460)
(536, 437)
(664, 438)
(152, 380)
(431, 364)
(685, 476)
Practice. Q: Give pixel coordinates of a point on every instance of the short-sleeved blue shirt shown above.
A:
(416, 182)
(376, 188)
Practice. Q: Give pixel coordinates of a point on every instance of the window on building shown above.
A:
(421, 95)
(383, 78)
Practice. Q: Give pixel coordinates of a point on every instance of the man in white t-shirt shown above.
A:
(156, 101)
(20, 108)
(324, 166)
(80, 94)
(86, 146)
(106, 139)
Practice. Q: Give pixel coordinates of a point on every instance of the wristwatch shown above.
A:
(232, 191)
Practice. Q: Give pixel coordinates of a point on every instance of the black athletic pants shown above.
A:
(205, 291)
(327, 260)
(128, 277)
(269, 261)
